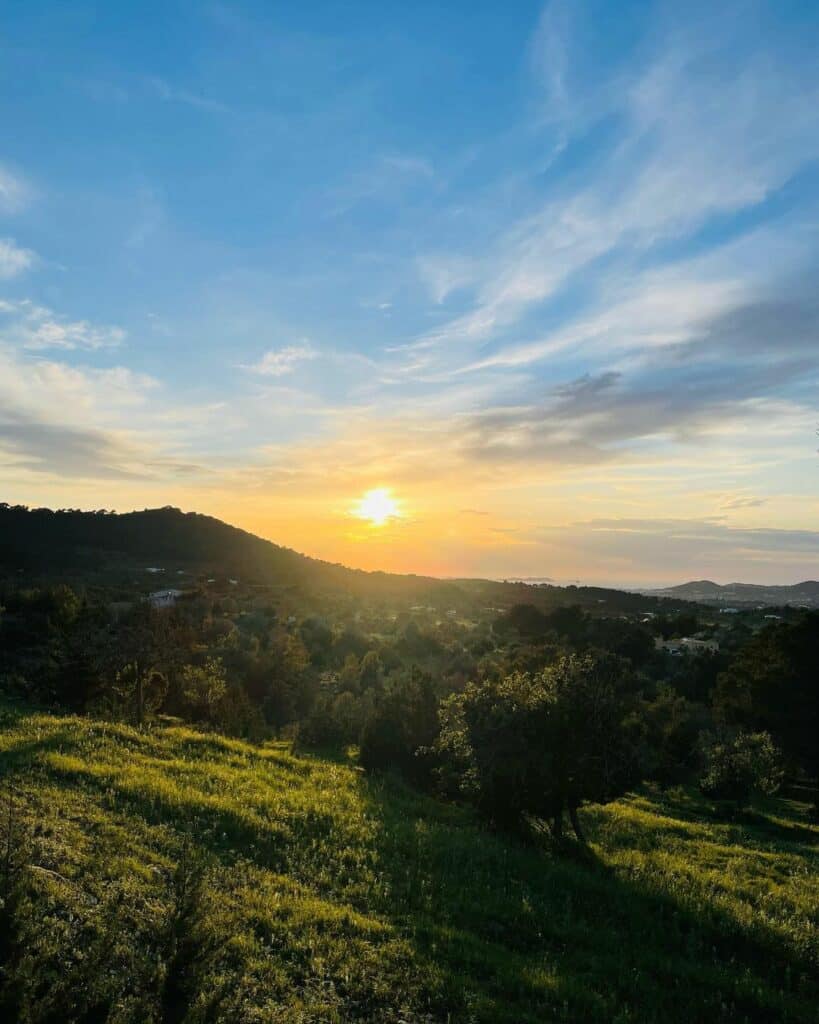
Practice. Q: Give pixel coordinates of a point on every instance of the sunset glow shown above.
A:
(377, 506)
(547, 305)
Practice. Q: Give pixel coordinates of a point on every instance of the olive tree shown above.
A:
(538, 746)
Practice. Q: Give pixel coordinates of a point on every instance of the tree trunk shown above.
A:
(140, 696)
(557, 826)
(578, 831)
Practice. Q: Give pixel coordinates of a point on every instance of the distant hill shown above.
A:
(708, 592)
(43, 544)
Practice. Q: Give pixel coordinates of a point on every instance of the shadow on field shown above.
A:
(779, 831)
(763, 821)
(19, 754)
(501, 932)
(520, 934)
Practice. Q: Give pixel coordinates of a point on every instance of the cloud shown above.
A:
(71, 421)
(13, 259)
(87, 423)
(37, 327)
(170, 93)
(15, 193)
(733, 504)
(385, 179)
(150, 217)
(692, 549)
(698, 138)
(679, 393)
(444, 274)
(279, 362)
(748, 372)
(66, 451)
(72, 335)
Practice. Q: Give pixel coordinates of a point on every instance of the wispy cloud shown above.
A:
(679, 544)
(171, 93)
(37, 327)
(15, 191)
(280, 362)
(444, 274)
(739, 502)
(385, 179)
(14, 259)
(699, 139)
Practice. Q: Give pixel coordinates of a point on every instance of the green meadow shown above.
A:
(173, 875)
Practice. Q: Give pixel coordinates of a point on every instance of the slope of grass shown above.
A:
(179, 876)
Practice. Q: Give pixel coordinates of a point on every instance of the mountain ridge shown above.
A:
(806, 591)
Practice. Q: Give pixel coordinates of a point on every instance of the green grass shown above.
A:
(328, 896)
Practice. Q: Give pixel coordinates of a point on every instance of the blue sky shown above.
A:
(546, 272)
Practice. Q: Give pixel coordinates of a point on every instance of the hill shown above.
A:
(42, 541)
(42, 544)
(805, 594)
(174, 875)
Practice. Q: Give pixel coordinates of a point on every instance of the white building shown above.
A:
(164, 598)
(688, 645)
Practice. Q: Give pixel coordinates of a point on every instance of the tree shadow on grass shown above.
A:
(24, 751)
(499, 931)
(780, 832)
(519, 934)
(777, 822)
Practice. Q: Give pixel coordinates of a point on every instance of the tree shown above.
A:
(568, 622)
(317, 638)
(137, 692)
(525, 619)
(538, 746)
(143, 651)
(671, 727)
(369, 676)
(204, 688)
(771, 685)
(736, 766)
(287, 694)
(399, 733)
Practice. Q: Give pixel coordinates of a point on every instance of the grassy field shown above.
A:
(179, 876)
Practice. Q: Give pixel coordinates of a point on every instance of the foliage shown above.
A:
(399, 732)
(771, 685)
(536, 746)
(737, 766)
(671, 728)
(204, 688)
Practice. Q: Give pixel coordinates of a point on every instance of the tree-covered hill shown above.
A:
(170, 875)
(44, 543)
(44, 539)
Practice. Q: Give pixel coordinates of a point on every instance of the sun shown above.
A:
(378, 506)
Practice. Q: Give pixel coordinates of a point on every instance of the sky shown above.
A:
(544, 278)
